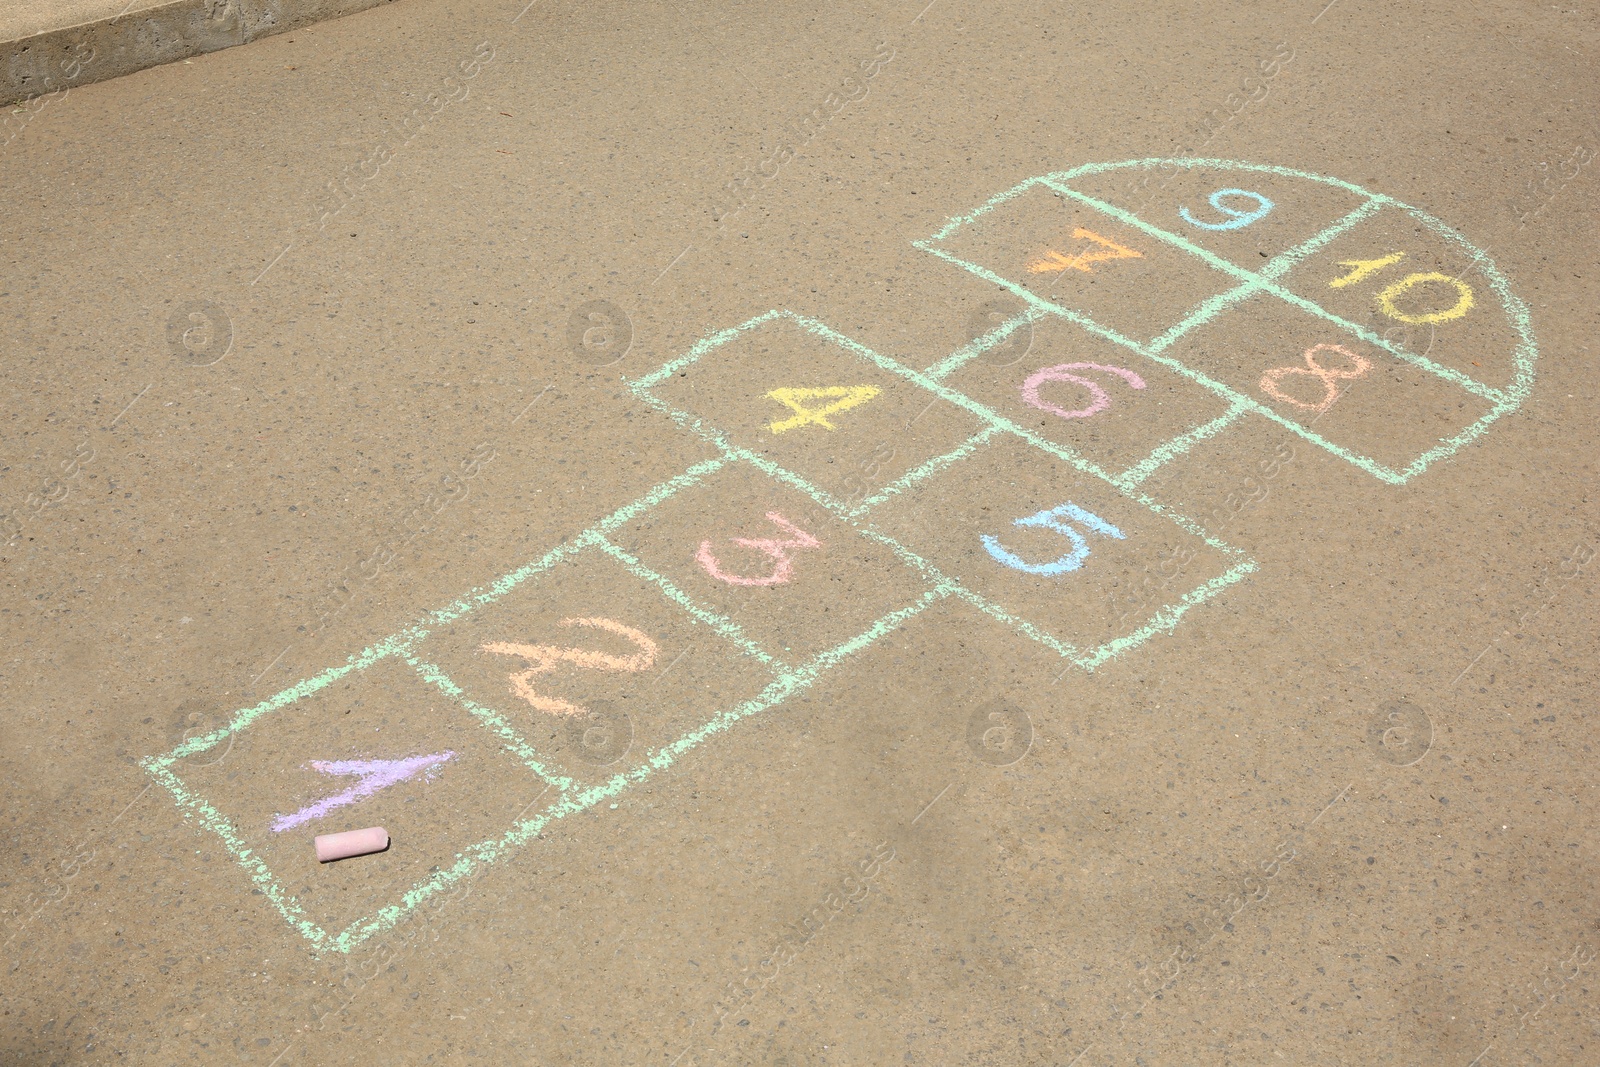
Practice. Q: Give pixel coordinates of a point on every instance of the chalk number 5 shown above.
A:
(1060, 520)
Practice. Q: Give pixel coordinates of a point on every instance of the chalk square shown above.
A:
(1479, 340)
(457, 786)
(794, 577)
(1113, 277)
(1207, 204)
(1382, 412)
(627, 667)
(880, 422)
(1092, 397)
(963, 521)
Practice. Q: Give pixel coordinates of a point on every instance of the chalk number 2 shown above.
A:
(1060, 519)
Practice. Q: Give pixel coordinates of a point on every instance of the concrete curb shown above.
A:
(56, 60)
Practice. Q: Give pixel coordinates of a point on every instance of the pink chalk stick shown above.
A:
(351, 843)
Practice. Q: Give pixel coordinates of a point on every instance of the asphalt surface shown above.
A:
(851, 535)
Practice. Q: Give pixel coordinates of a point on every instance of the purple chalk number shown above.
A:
(375, 774)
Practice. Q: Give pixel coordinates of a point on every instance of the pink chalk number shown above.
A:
(783, 564)
(1062, 372)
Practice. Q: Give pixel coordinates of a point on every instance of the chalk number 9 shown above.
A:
(1235, 219)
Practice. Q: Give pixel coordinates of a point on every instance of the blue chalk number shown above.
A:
(1236, 218)
(1054, 519)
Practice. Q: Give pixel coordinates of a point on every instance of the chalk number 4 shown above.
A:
(1060, 519)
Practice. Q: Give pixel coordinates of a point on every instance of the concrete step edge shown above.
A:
(56, 60)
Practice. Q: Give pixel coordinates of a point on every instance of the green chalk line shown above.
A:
(192, 805)
(1210, 164)
(700, 348)
(978, 346)
(491, 719)
(1284, 262)
(927, 470)
(722, 624)
(993, 202)
(1166, 619)
(1177, 446)
(299, 691)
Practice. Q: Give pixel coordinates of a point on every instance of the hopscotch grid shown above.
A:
(1160, 623)
(1266, 285)
(1227, 392)
(574, 798)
